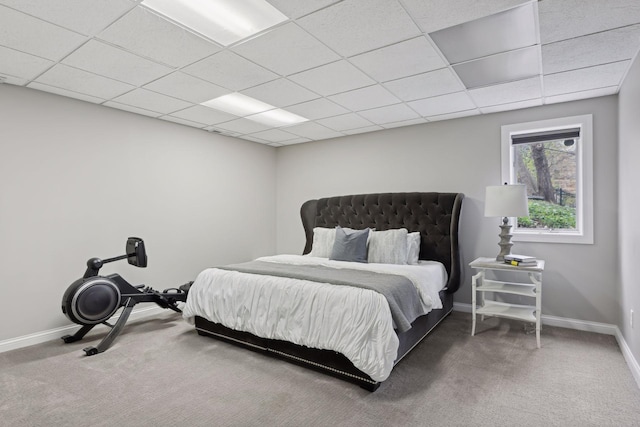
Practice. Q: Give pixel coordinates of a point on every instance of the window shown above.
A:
(554, 159)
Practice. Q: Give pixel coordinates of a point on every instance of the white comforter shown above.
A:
(353, 321)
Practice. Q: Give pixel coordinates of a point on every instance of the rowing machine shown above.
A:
(93, 299)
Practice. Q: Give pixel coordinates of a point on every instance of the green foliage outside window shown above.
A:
(548, 215)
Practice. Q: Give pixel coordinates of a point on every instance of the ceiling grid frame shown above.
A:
(594, 81)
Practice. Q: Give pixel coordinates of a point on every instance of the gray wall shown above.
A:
(463, 155)
(629, 203)
(76, 179)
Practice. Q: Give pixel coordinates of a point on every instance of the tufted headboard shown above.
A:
(434, 215)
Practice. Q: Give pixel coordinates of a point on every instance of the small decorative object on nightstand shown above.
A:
(506, 201)
(486, 307)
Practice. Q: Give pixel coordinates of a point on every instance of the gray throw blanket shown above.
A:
(399, 291)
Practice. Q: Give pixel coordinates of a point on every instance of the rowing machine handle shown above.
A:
(135, 255)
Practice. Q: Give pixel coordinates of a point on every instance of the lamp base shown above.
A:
(505, 239)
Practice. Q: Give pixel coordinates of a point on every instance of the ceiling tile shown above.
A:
(152, 101)
(433, 15)
(17, 81)
(512, 106)
(585, 78)
(425, 85)
(508, 92)
(356, 26)
(594, 49)
(83, 16)
(365, 98)
(333, 78)
(404, 123)
(231, 71)
(186, 87)
(503, 67)
(443, 104)
(64, 92)
(131, 109)
(298, 8)
(147, 34)
(389, 114)
(296, 50)
(508, 30)
(84, 82)
(317, 109)
(345, 122)
(21, 64)
(274, 135)
(313, 131)
(402, 59)
(242, 125)
(565, 19)
(31, 35)
(115, 63)
(183, 122)
(574, 96)
(298, 140)
(202, 114)
(365, 129)
(253, 139)
(280, 93)
(456, 115)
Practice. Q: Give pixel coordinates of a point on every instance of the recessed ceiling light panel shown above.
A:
(223, 21)
(512, 29)
(277, 118)
(503, 67)
(238, 104)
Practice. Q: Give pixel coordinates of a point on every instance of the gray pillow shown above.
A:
(350, 245)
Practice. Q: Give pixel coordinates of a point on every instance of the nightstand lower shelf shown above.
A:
(526, 313)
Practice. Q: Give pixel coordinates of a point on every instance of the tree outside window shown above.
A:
(548, 169)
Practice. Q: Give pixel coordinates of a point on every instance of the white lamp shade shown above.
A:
(506, 200)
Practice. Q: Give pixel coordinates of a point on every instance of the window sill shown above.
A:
(552, 237)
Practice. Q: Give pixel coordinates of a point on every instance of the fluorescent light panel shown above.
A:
(512, 29)
(277, 118)
(238, 104)
(223, 21)
(503, 67)
(258, 111)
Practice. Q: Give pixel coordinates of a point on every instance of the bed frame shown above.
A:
(434, 215)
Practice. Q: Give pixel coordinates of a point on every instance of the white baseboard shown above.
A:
(562, 322)
(583, 325)
(628, 356)
(53, 334)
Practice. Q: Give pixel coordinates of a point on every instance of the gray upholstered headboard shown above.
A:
(434, 215)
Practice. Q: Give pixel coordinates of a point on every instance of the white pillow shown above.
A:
(388, 247)
(413, 247)
(323, 240)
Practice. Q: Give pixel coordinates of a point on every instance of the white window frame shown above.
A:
(584, 185)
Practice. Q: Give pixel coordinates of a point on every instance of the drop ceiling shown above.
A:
(348, 67)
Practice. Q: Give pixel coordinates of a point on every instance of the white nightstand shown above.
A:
(480, 285)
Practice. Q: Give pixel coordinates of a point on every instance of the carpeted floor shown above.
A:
(161, 373)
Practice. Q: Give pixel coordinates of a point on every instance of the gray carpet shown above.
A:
(161, 373)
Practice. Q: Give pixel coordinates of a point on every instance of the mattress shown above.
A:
(353, 321)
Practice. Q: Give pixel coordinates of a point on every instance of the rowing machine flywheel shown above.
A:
(91, 301)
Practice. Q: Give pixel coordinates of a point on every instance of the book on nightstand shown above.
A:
(521, 260)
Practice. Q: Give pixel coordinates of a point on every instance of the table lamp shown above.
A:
(506, 201)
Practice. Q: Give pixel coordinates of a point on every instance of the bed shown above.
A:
(351, 332)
